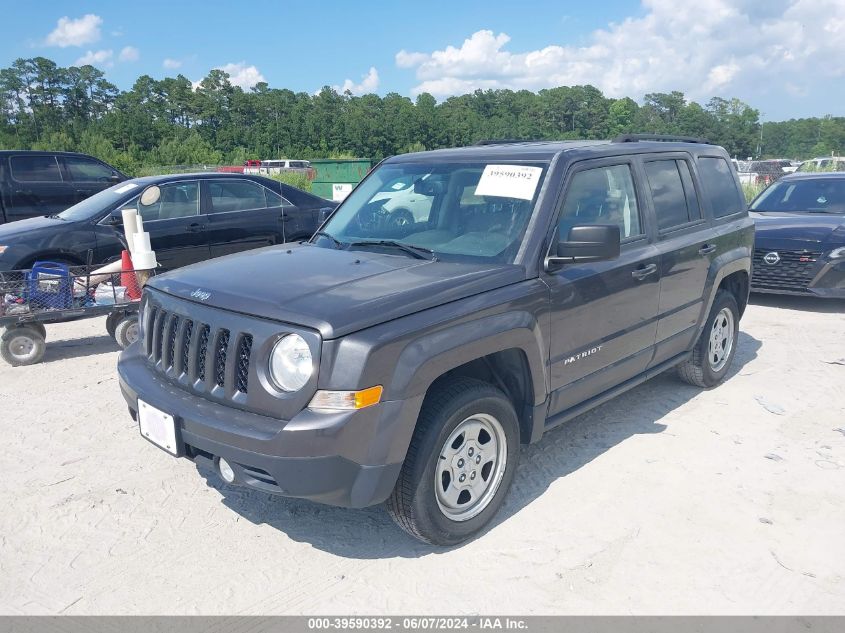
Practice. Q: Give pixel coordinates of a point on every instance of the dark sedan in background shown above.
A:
(196, 217)
(800, 240)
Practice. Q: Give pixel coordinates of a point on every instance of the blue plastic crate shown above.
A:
(49, 286)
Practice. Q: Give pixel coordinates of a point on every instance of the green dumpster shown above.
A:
(337, 177)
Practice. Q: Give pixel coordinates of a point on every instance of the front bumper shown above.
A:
(349, 458)
(821, 277)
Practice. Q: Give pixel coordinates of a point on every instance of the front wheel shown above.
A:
(716, 347)
(22, 345)
(459, 465)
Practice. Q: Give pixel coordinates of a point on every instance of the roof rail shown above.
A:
(666, 138)
(501, 141)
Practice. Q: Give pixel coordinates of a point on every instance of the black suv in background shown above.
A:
(36, 183)
(406, 362)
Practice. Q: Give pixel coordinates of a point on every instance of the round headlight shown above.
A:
(290, 363)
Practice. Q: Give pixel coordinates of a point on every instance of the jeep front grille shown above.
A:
(205, 356)
(793, 272)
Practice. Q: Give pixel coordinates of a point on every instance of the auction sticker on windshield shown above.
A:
(509, 181)
(129, 186)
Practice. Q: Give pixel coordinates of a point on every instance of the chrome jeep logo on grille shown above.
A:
(771, 258)
(201, 294)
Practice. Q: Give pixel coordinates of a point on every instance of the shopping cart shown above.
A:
(51, 293)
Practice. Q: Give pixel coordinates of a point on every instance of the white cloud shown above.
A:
(172, 64)
(726, 47)
(129, 54)
(96, 58)
(242, 75)
(369, 83)
(68, 32)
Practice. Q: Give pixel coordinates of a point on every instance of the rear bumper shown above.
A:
(349, 459)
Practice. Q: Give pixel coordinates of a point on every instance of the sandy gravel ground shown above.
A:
(668, 500)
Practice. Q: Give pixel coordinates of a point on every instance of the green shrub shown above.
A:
(294, 179)
(751, 190)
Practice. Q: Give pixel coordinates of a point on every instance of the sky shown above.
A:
(783, 57)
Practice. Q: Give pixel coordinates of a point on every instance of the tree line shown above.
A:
(172, 122)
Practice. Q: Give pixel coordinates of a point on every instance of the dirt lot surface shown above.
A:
(667, 500)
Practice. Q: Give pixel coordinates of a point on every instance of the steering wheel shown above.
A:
(371, 215)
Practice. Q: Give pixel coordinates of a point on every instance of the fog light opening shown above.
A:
(225, 470)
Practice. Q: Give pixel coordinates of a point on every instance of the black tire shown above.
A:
(414, 504)
(698, 370)
(126, 330)
(22, 345)
(111, 322)
(40, 328)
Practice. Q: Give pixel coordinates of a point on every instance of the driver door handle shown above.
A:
(706, 249)
(644, 271)
(195, 227)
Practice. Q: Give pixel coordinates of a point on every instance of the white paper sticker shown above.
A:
(127, 187)
(340, 191)
(509, 181)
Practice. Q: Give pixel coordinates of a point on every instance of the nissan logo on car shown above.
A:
(771, 258)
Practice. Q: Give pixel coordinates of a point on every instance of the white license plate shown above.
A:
(157, 426)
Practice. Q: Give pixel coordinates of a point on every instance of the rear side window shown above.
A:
(720, 185)
(87, 170)
(274, 199)
(236, 195)
(35, 169)
(674, 203)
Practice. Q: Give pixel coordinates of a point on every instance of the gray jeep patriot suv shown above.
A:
(458, 303)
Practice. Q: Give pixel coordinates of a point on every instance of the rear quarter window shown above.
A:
(719, 184)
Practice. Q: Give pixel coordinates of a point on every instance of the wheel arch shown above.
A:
(48, 255)
(504, 350)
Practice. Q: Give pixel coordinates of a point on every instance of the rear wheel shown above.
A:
(716, 347)
(22, 345)
(111, 322)
(459, 465)
(39, 327)
(126, 330)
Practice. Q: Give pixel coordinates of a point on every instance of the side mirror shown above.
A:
(150, 195)
(115, 178)
(587, 243)
(323, 214)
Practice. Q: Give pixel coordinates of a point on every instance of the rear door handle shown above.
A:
(284, 217)
(195, 227)
(706, 249)
(644, 271)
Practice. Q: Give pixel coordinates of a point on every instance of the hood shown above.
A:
(796, 230)
(25, 228)
(336, 292)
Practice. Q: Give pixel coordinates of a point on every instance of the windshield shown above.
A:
(455, 211)
(821, 195)
(98, 203)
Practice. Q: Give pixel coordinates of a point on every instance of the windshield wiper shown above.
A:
(337, 242)
(420, 252)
